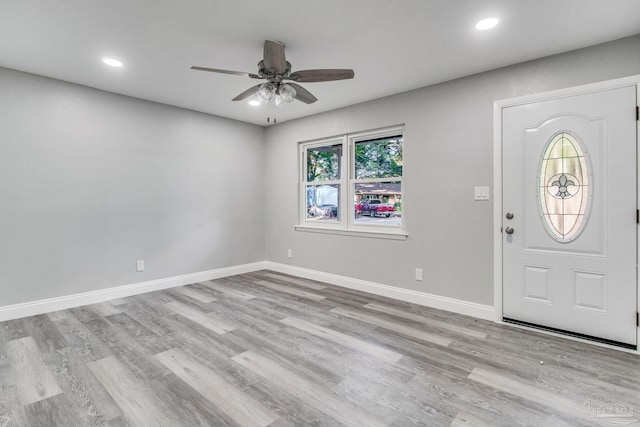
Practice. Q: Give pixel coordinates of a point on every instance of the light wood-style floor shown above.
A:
(265, 349)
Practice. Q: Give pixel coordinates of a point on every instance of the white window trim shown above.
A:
(346, 224)
(337, 225)
(398, 235)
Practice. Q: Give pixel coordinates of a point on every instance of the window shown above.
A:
(323, 182)
(563, 187)
(359, 193)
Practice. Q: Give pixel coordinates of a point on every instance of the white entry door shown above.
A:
(569, 214)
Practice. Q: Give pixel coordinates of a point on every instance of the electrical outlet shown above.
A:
(289, 253)
(140, 265)
(419, 274)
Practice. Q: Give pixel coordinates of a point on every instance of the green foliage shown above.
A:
(379, 159)
(373, 159)
(323, 164)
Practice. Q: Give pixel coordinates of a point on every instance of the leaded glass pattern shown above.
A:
(563, 187)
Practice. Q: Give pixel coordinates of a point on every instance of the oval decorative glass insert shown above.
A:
(563, 187)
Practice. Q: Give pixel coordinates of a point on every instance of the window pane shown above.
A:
(323, 202)
(379, 158)
(378, 203)
(323, 163)
(563, 187)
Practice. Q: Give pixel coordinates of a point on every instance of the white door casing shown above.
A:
(588, 284)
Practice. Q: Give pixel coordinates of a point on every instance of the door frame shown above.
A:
(498, 106)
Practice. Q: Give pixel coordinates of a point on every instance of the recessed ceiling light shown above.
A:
(486, 24)
(112, 62)
(254, 102)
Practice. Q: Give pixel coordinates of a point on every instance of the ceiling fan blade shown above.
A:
(309, 76)
(235, 73)
(274, 58)
(247, 93)
(303, 95)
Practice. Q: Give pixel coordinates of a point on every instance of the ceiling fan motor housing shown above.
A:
(270, 74)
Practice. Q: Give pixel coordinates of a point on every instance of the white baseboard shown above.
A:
(422, 298)
(69, 301)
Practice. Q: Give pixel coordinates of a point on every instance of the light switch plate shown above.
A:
(481, 193)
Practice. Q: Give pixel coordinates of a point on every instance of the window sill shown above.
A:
(393, 235)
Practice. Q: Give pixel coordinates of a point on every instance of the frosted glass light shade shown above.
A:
(287, 92)
(266, 91)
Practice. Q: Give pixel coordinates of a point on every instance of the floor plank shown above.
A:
(525, 391)
(105, 309)
(201, 318)
(305, 283)
(56, 316)
(464, 419)
(448, 326)
(140, 405)
(11, 410)
(128, 350)
(195, 294)
(289, 290)
(56, 410)
(343, 339)
(45, 333)
(227, 289)
(35, 380)
(230, 399)
(394, 326)
(81, 388)
(309, 392)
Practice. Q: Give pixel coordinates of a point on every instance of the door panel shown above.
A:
(569, 179)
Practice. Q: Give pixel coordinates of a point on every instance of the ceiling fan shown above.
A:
(275, 69)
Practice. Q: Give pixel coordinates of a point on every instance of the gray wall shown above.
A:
(448, 151)
(90, 182)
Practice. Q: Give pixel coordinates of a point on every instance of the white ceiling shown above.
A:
(393, 46)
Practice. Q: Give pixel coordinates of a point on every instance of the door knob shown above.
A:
(508, 230)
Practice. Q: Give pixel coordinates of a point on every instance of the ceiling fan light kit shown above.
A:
(282, 92)
(266, 92)
(286, 94)
(275, 68)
